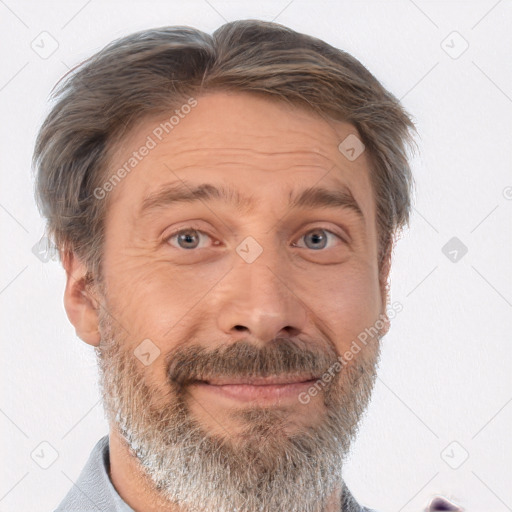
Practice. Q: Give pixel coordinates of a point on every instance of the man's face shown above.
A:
(225, 293)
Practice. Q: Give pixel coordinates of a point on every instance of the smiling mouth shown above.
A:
(260, 381)
(268, 389)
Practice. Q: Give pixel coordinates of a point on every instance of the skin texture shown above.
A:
(300, 297)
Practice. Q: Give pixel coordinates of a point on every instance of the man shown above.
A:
(225, 208)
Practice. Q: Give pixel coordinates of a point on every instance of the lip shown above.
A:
(260, 381)
(267, 390)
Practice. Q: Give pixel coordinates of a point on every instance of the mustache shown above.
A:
(243, 359)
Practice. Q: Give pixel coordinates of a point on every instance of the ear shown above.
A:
(81, 307)
(384, 273)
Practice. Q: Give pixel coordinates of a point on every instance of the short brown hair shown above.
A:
(151, 72)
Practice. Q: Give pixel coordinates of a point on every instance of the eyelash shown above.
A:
(192, 228)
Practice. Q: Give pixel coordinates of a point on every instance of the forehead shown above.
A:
(243, 140)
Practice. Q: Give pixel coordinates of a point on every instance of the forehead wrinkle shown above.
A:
(220, 152)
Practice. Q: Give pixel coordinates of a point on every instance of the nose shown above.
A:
(257, 301)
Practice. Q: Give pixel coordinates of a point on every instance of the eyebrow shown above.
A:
(311, 197)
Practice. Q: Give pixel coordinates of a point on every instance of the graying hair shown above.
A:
(152, 72)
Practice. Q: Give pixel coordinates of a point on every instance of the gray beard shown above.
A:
(266, 468)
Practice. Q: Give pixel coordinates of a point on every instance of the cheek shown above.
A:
(158, 299)
(348, 301)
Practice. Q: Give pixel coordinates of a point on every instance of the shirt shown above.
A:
(94, 491)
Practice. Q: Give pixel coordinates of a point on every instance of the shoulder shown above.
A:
(91, 490)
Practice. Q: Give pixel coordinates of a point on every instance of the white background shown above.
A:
(446, 363)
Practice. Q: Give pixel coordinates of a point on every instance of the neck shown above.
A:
(130, 481)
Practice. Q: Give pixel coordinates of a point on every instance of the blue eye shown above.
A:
(188, 238)
(191, 238)
(318, 238)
